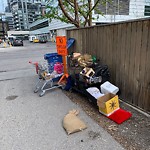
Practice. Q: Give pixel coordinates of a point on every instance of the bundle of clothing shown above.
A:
(84, 60)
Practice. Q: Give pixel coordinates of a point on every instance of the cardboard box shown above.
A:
(108, 104)
(88, 72)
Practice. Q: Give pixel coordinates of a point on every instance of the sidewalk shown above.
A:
(30, 122)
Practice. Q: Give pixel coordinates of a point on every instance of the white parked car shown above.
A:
(31, 38)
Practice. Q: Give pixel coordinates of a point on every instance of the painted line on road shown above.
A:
(16, 74)
(8, 79)
(22, 69)
(1, 80)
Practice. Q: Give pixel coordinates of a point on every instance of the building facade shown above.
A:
(117, 10)
(43, 27)
(122, 10)
(2, 6)
(40, 28)
(25, 12)
(3, 28)
(9, 18)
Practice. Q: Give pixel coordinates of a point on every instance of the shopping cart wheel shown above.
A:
(71, 90)
(42, 93)
(51, 83)
(63, 86)
(36, 90)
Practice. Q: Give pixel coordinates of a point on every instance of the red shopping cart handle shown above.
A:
(35, 64)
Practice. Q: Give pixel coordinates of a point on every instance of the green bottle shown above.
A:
(94, 59)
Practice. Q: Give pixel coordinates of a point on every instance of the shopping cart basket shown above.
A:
(47, 80)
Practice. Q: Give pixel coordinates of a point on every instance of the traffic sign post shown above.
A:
(61, 45)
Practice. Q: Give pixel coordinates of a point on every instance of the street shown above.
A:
(17, 58)
(30, 122)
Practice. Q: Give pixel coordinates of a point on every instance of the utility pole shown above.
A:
(3, 29)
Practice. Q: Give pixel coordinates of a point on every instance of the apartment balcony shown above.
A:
(30, 16)
(13, 2)
(15, 14)
(37, 2)
(31, 20)
(16, 19)
(16, 22)
(16, 25)
(37, 13)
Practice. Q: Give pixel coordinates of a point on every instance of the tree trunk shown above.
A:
(76, 12)
(90, 13)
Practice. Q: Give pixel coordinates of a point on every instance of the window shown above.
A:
(114, 7)
(147, 11)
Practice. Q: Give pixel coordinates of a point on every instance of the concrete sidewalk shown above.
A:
(30, 122)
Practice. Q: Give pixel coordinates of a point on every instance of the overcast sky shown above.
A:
(3, 4)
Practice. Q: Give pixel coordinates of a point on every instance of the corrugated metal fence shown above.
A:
(125, 48)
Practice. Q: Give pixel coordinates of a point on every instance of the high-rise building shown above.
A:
(25, 12)
(122, 10)
(1, 6)
(3, 26)
(8, 9)
(9, 18)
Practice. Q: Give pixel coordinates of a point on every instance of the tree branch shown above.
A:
(66, 14)
(93, 7)
(90, 13)
(76, 11)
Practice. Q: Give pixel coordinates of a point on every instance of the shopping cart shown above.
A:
(50, 73)
(47, 77)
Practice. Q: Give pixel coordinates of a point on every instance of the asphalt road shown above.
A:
(30, 122)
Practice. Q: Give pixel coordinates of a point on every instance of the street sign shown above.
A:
(61, 45)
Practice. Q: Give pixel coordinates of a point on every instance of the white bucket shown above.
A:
(107, 87)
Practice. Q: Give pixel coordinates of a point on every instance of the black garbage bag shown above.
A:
(103, 71)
